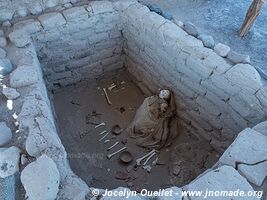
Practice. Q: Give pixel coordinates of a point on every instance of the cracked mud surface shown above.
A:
(80, 107)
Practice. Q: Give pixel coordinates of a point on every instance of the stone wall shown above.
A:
(215, 98)
(75, 44)
(10, 9)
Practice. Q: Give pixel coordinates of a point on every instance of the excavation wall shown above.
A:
(215, 99)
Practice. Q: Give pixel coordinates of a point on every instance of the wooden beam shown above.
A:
(252, 14)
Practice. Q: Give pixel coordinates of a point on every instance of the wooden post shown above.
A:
(252, 14)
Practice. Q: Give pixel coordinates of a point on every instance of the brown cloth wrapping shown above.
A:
(150, 127)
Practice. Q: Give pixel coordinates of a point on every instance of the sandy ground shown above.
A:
(222, 20)
(87, 154)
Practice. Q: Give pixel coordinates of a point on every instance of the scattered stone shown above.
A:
(10, 93)
(155, 8)
(41, 179)
(50, 3)
(191, 29)
(5, 66)
(238, 58)
(176, 170)
(254, 173)
(261, 128)
(121, 175)
(3, 42)
(5, 134)
(2, 53)
(68, 5)
(130, 184)
(9, 161)
(23, 76)
(225, 178)
(222, 49)
(207, 40)
(22, 11)
(23, 159)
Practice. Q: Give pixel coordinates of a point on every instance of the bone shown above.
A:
(101, 124)
(111, 87)
(103, 137)
(106, 95)
(149, 158)
(111, 147)
(106, 141)
(155, 161)
(109, 156)
(139, 160)
(147, 168)
(102, 132)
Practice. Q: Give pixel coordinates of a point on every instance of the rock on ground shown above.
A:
(191, 29)
(5, 66)
(225, 178)
(5, 133)
(222, 49)
(9, 161)
(207, 40)
(238, 58)
(23, 76)
(10, 93)
(3, 42)
(41, 179)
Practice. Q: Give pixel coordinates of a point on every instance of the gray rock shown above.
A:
(19, 39)
(6, 24)
(41, 179)
(2, 53)
(9, 161)
(22, 11)
(50, 3)
(225, 178)
(222, 49)
(261, 128)
(191, 29)
(238, 58)
(207, 40)
(254, 173)
(1, 33)
(250, 147)
(10, 93)
(5, 133)
(3, 42)
(7, 188)
(6, 66)
(23, 76)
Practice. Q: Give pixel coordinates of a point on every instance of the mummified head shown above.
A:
(165, 94)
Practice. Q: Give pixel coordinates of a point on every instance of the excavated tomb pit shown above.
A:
(90, 47)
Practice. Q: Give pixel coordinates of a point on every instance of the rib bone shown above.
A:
(116, 143)
(102, 132)
(106, 95)
(113, 154)
(139, 160)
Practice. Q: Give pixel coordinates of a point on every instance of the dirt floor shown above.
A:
(79, 108)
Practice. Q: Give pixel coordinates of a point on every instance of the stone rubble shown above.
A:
(222, 49)
(10, 93)
(23, 76)
(3, 42)
(9, 161)
(238, 58)
(191, 29)
(207, 40)
(2, 53)
(41, 179)
(5, 134)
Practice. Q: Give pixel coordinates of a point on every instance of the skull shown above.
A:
(165, 94)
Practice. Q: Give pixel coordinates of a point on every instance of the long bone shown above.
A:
(106, 95)
(111, 147)
(149, 158)
(101, 124)
(139, 160)
(103, 137)
(116, 152)
(102, 132)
